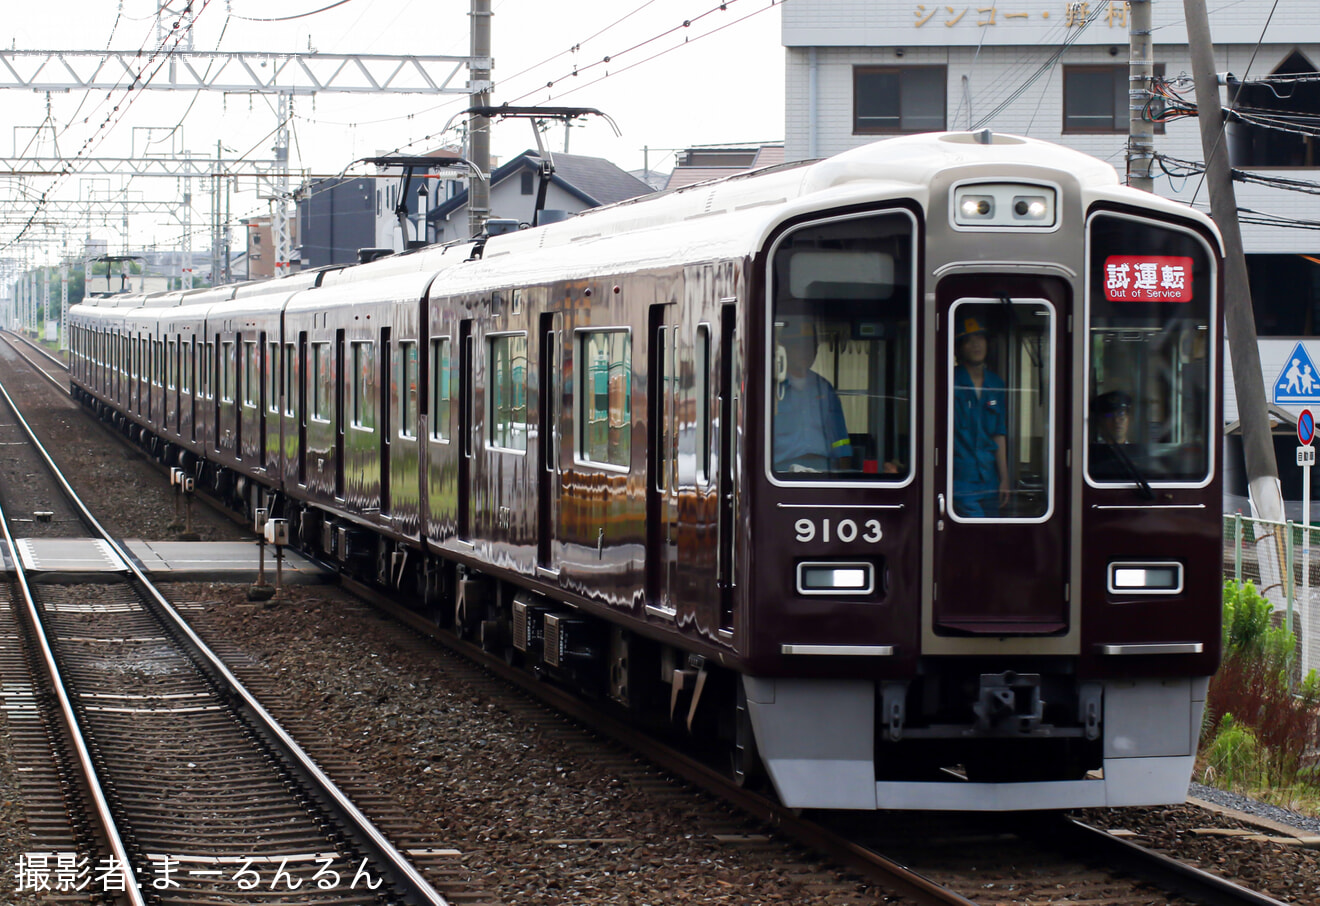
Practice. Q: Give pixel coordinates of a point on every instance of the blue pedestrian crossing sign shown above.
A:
(1298, 380)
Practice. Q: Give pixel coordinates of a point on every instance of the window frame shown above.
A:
(861, 70)
(1214, 386)
(1122, 73)
(439, 428)
(581, 365)
(513, 387)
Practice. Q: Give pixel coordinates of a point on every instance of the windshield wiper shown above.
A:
(1143, 486)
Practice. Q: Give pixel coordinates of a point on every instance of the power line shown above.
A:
(295, 16)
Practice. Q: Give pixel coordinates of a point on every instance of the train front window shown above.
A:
(1149, 389)
(840, 340)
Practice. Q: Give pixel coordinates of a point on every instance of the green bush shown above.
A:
(1260, 723)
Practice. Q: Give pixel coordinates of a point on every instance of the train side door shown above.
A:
(549, 481)
(661, 459)
(1001, 480)
(466, 427)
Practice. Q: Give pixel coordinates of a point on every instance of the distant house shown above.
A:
(700, 164)
(578, 183)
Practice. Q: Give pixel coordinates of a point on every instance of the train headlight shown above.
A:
(1011, 206)
(976, 207)
(835, 578)
(1145, 578)
(1031, 207)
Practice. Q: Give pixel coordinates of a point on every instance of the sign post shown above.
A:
(1306, 459)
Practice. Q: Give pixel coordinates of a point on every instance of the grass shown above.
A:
(1260, 731)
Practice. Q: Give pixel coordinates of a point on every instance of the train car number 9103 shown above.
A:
(845, 530)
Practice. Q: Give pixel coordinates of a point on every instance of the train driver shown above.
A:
(810, 433)
(980, 427)
(1115, 416)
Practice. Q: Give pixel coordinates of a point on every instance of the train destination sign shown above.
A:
(1148, 278)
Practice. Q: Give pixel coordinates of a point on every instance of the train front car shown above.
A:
(983, 499)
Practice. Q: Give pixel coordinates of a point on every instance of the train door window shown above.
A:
(290, 379)
(701, 434)
(227, 353)
(206, 373)
(319, 380)
(441, 388)
(1002, 409)
(272, 373)
(1150, 367)
(841, 369)
(171, 376)
(507, 392)
(186, 357)
(251, 385)
(408, 388)
(604, 397)
(362, 393)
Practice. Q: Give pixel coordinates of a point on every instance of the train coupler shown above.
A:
(1009, 702)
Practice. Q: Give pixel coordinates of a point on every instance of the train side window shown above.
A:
(273, 378)
(227, 353)
(701, 367)
(440, 388)
(290, 378)
(507, 392)
(186, 356)
(408, 388)
(251, 386)
(362, 373)
(604, 381)
(318, 379)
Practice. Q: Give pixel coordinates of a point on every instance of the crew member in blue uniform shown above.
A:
(980, 427)
(810, 433)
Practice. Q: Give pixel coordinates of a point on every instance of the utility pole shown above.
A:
(479, 126)
(1141, 69)
(1239, 323)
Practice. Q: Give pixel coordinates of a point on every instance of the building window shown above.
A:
(605, 397)
(507, 392)
(1095, 98)
(899, 99)
(528, 180)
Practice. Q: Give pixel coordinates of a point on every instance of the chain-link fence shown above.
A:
(1282, 559)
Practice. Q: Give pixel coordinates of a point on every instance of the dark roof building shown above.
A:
(578, 183)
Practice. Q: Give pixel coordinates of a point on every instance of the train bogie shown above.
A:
(894, 474)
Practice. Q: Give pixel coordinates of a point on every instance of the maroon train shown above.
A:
(923, 572)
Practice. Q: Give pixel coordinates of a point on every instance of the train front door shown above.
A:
(1000, 478)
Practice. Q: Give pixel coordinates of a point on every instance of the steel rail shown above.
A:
(9, 335)
(71, 722)
(884, 871)
(418, 888)
(1168, 873)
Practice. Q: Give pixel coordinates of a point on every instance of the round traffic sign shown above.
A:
(1306, 427)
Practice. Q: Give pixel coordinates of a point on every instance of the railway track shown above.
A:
(952, 864)
(181, 788)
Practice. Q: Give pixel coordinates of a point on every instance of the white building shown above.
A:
(860, 70)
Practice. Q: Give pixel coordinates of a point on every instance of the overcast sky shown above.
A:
(719, 79)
